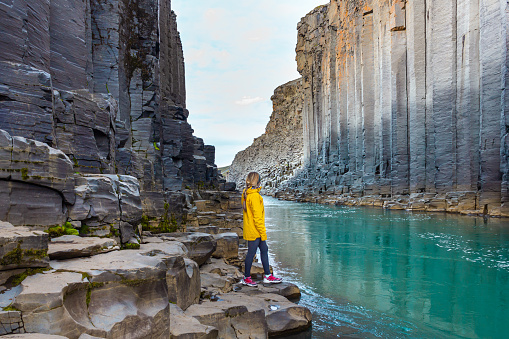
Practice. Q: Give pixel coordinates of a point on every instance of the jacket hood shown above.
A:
(253, 190)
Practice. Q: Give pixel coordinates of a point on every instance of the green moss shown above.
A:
(13, 257)
(35, 254)
(87, 298)
(90, 287)
(131, 246)
(24, 173)
(85, 275)
(84, 230)
(133, 282)
(17, 279)
(65, 229)
(114, 233)
(11, 308)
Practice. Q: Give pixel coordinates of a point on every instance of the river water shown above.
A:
(373, 273)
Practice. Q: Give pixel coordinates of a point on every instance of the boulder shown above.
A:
(186, 327)
(227, 245)
(282, 316)
(104, 200)
(183, 280)
(22, 248)
(73, 246)
(200, 245)
(35, 163)
(232, 318)
(106, 295)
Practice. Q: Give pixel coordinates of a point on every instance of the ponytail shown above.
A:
(252, 180)
(244, 198)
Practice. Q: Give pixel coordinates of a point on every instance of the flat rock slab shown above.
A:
(73, 246)
(186, 327)
(232, 318)
(21, 247)
(33, 336)
(285, 289)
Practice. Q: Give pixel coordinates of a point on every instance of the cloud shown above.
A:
(248, 100)
(233, 48)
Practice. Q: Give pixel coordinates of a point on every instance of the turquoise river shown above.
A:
(373, 273)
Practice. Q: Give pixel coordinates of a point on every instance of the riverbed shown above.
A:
(374, 273)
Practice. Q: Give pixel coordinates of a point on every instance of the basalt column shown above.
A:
(405, 104)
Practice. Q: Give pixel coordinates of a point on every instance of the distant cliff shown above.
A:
(103, 82)
(276, 154)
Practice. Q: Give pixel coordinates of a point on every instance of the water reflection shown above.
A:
(378, 273)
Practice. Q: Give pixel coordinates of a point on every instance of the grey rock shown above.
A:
(11, 322)
(227, 245)
(200, 245)
(34, 162)
(72, 246)
(285, 289)
(232, 318)
(21, 247)
(124, 289)
(186, 327)
(287, 319)
(183, 279)
(103, 200)
(34, 336)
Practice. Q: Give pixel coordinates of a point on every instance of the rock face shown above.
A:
(404, 105)
(277, 154)
(103, 84)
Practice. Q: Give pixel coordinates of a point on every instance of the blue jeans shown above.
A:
(252, 246)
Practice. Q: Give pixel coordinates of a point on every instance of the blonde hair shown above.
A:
(252, 179)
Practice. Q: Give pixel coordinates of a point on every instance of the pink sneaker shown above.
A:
(248, 282)
(270, 279)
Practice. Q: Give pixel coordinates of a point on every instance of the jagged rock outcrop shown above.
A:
(277, 154)
(405, 105)
(102, 82)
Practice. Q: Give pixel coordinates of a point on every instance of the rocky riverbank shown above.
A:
(173, 285)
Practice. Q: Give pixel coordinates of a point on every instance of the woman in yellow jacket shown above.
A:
(254, 230)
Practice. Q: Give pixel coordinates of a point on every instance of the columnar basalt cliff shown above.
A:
(102, 81)
(405, 105)
(277, 154)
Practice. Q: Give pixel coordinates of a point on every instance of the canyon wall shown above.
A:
(277, 154)
(405, 105)
(102, 81)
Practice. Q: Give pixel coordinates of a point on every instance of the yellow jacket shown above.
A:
(254, 217)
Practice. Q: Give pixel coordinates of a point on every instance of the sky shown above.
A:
(236, 53)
